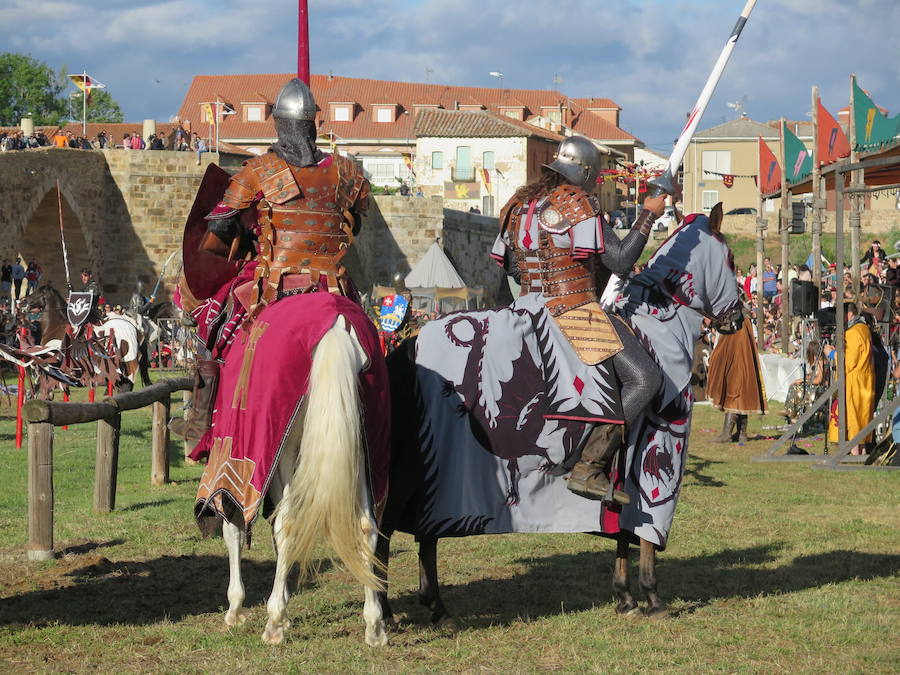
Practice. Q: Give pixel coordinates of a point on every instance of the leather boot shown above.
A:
(588, 478)
(198, 417)
(742, 429)
(726, 436)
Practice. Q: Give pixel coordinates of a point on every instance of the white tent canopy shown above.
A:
(434, 270)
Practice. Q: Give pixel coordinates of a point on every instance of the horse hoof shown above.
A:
(661, 612)
(628, 611)
(444, 622)
(273, 635)
(236, 618)
(376, 636)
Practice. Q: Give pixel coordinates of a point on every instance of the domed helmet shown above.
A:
(578, 161)
(295, 102)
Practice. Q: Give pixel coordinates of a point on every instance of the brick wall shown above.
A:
(468, 239)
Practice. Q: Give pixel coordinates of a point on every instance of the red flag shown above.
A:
(769, 171)
(831, 139)
(728, 180)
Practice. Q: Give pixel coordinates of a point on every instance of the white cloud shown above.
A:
(652, 57)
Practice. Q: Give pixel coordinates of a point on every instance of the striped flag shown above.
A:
(86, 83)
(486, 179)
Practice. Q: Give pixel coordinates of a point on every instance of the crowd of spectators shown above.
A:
(179, 140)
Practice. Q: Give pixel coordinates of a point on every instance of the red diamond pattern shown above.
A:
(655, 493)
(579, 385)
(526, 240)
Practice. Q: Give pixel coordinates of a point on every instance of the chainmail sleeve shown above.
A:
(620, 255)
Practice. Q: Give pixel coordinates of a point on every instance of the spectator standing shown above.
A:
(33, 274)
(770, 286)
(137, 143)
(874, 256)
(5, 280)
(60, 140)
(859, 371)
(155, 142)
(892, 273)
(18, 276)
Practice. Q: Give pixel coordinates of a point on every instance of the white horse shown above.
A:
(320, 483)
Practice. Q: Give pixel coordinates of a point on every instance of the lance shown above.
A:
(665, 184)
(303, 40)
(163, 273)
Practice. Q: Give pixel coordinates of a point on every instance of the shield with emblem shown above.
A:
(78, 308)
(204, 272)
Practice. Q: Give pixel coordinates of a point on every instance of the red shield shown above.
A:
(204, 272)
(728, 180)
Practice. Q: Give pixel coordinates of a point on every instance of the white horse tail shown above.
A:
(326, 499)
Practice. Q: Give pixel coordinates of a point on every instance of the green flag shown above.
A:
(873, 130)
(797, 159)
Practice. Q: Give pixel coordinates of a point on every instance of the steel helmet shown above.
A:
(295, 102)
(578, 161)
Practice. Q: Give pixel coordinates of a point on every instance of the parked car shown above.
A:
(742, 211)
(666, 220)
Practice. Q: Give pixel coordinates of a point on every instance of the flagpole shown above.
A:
(816, 189)
(854, 198)
(761, 225)
(84, 103)
(783, 220)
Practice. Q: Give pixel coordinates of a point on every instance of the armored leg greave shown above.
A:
(198, 417)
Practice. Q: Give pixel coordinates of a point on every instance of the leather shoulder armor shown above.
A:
(352, 188)
(275, 178)
(566, 206)
(242, 188)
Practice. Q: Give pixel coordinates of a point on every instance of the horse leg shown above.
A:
(373, 613)
(656, 608)
(383, 555)
(278, 600)
(429, 589)
(627, 605)
(234, 541)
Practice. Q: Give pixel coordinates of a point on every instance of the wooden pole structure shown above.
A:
(159, 463)
(107, 463)
(761, 225)
(40, 491)
(784, 216)
(20, 401)
(303, 40)
(817, 204)
(855, 199)
(839, 343)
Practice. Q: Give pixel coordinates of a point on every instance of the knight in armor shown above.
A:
(139, 303)
(287, 217)
(555, 244)
(90, 285)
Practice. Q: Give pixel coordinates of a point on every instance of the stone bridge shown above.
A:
(123, 214)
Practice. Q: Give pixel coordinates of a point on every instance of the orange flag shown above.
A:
(769, 171)
(830, 138)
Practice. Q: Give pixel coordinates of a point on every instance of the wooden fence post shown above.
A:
(40, 491)
(159, 462)
(107, 463)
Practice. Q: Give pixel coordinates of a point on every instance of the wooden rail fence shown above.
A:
(43, 416)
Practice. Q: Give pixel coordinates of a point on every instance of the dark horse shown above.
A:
(689, 277)
(99, 360)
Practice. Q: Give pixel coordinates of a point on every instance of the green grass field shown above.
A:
(770, 568)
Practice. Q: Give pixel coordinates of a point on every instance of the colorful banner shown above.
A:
(462, 190)
(86, 83)
(407, 160)
(873, 129)
(486, 180)
(208, 115)
(769, 171)
(797, 158)
(831, 140)
(393, 309)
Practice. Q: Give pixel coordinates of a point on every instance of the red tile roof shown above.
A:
(475, 124)
(233, 89)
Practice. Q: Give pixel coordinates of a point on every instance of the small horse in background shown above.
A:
(118, 361)
(443, 483)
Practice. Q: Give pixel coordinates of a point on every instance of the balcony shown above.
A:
(463, 175)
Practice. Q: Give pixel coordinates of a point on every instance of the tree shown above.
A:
(101, 107)
(28, 87)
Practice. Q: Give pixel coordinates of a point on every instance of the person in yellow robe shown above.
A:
(859, 370)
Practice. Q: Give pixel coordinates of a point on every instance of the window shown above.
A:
(487, 205)
(555, 116)
(254, 113)
(718, 161)
(515, 113)
(437, 160)
(710, 199)
(341, 113)
(487, 160)
(384, 115)
(464, 169)
(382, 170)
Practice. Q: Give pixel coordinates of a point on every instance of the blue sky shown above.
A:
(652, 57)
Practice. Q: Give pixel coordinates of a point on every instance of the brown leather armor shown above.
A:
(566, 282)
(305, 220)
